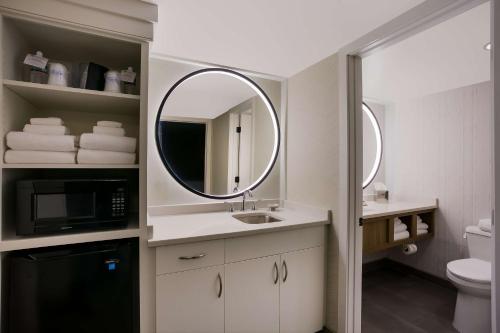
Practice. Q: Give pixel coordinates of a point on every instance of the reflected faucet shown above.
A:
(245, 194)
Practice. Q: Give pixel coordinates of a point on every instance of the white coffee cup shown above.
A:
(113, 81)
(58, 74)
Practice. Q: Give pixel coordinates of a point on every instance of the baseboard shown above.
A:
(387, 263)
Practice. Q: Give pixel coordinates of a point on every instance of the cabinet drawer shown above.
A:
(248, 247)
(176, 258)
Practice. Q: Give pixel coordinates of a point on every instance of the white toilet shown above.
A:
(472, 277)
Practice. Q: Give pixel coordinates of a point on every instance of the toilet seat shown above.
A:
(472, 270)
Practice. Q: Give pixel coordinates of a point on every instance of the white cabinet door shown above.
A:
(191, 301)
(302, 291)
(252, 296)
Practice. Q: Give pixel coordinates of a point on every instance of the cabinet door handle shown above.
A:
(198, 256)
(219, 294)
(275, 268)
(285, 270)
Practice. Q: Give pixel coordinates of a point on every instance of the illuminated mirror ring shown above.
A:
(258, 90)
(378, 137)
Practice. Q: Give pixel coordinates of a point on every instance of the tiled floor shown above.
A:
(404, 303)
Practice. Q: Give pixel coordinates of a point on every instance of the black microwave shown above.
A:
(53, 206)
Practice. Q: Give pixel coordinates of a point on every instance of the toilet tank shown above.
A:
(479, 243)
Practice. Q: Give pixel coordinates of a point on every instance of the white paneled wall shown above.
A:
(439, 146)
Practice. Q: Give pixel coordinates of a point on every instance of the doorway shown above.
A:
(354, 54)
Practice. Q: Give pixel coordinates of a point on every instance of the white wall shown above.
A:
(447, 56)
(162, 188)
(439, 146)
(312, 152)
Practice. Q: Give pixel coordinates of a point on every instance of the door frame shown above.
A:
(208, 143)
(350, 161)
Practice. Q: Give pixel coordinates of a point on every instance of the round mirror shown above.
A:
(372, 146)
(217, 133)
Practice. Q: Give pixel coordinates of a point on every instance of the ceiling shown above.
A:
(444, 57)
(207, 96)
(278, 37)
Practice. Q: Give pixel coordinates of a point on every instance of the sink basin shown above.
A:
(256, 218)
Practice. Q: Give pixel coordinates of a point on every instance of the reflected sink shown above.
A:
(256, 218)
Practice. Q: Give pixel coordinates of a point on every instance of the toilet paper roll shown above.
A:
(409, 249)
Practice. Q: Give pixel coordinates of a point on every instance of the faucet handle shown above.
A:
(231, 207)
(254, 204)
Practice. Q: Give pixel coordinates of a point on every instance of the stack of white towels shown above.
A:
(400, 230)
(106, 145)
(43, 140)
(485, 225)
(422, 228)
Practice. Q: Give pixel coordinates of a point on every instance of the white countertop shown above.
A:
(376, 209)
(184, 228)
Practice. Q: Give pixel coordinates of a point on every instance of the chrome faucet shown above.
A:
(245, 194)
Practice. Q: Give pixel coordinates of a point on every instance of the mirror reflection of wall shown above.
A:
(370, 146)
(199, 129)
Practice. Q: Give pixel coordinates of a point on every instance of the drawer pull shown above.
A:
(277, 273)
(285, 269)
(198, 256)
(219, 294)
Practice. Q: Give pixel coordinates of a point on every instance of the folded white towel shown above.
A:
(400, 227)
(397, 221)
(485, 225)
(46, 121)
(46, 129)
(116, 131)
(401, 235)
(422, 226)
(27, 156)
(419, 219)
(422, 231)
(32, 141)
(108, 142)
(86, 156)
(107, 123)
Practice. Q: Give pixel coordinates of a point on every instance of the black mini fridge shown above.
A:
(86, 288)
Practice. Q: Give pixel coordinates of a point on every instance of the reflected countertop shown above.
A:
(377, 209)
(185, 228)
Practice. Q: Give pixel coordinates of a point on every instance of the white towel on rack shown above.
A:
(422, 226)
(94, 141)
(46, 129)
(401, 235)
(116, 131)
(33, 141)
(422, 231)
(86, 156)
(39, 157)
(46, 121)
(108, 123)
(400, 227)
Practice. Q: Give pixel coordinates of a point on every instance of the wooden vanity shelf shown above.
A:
(378, 232)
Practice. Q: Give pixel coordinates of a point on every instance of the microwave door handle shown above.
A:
(34, 212)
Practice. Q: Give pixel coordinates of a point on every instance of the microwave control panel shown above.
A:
(118, 204)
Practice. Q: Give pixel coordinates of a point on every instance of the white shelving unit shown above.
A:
(74, 45)
(79, 108)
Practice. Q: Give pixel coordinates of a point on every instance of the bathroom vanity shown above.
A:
(379, 219)
(232, 276)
